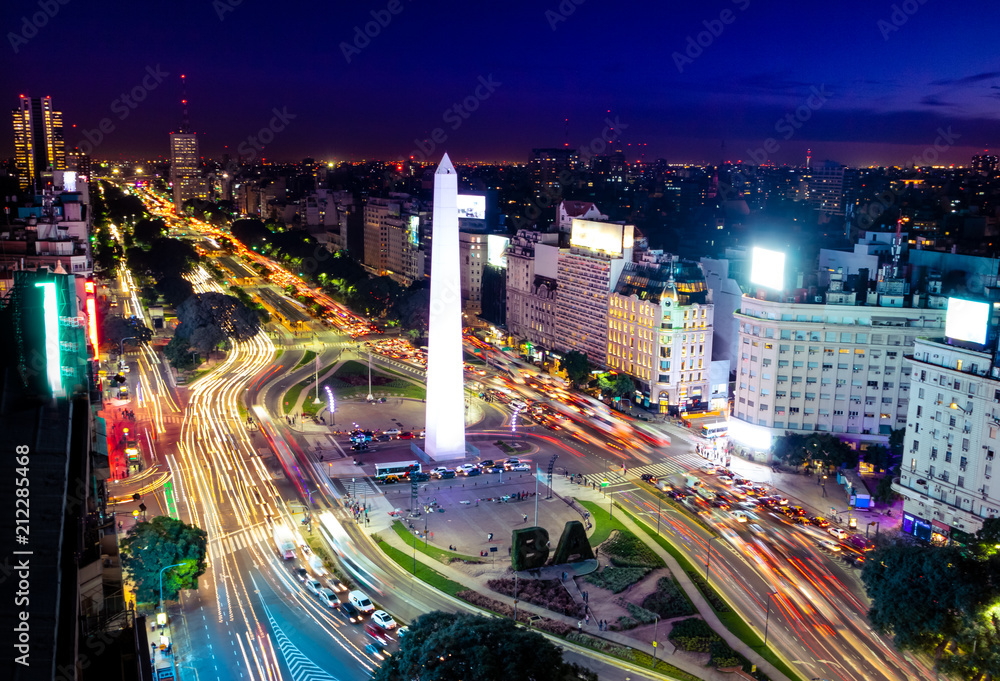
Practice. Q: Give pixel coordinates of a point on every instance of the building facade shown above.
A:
(588, 272)
(38, 141)
(952, 438)
(392, 237)
(660, 321)
(532, 265)
(834, 364)
(185, 169)
(472, 249)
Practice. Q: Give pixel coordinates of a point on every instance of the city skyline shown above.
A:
(861, 85)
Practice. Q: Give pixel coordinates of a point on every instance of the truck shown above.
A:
(284, 541)
(692, 482)
(705, 493)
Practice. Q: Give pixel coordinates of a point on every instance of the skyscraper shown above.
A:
(185, 163)
(38, 140)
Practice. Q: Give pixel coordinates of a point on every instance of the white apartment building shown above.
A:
(587, 274)
(660, 320)
(952, 437)
(532, 267)
(832, 366)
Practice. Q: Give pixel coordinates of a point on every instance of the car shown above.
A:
(360, 601)
(521, 467)
(473, 473)
(737, 493)
(375, 651)
(377, 633)
(755, 528)
(406, 436)
(402, 631)
(854, 560)
(420, 477)
(725, 480)
(676, 494)
(390, 479)
(360, 446)
(748, 505)
(384, 437)
(436, 472)
(350, 612)
(313, 585)
(838, 532)
(820, 521)
(648, 477)
(393, 432)
(495, 468)
(464, 469)
(799, 511)
(799, 520)
(861, 543)
(721, 503)
(741, 516)
(328, 598)
(383, 619)
(336, 584)
(831, 546)
(302, 574)
(486, 464)
(447, 475)
(709, 468)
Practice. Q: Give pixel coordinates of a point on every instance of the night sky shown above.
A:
(890, 79)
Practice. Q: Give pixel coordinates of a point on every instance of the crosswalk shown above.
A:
(358, 487)
(660, 470)
(299, 665)
(235, 541)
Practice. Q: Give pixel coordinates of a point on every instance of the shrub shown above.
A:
(641, 615)
(547, 593)
(693, 634)
(710, 594)
(479, 600)
(627, 550)
(616, 579)
(624, 623)
(721, 655)
(668, 600)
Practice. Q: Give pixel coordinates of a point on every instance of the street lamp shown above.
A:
(708, 564)
(162, 615)
(655, 625)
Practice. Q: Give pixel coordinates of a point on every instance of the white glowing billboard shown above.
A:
(471, 207)
(767, 268)
(606, 237)
(967, 320)
(496, 250)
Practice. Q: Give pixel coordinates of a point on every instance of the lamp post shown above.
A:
(767, 619)
(655, 625)
(161, 585)
(708, 564)
(658, 515)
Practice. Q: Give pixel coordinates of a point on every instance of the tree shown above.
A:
(576, 366)
(148, 231)
(206, 319)
(164, 257)
(153, 545)
(180, 353)
(444, 646)
(116, 328)
(175, 290)
(616, 385)
(879, 456)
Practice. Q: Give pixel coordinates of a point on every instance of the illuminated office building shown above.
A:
(38, 141)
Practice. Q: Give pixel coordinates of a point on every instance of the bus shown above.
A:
(715, 429)
(400, 469)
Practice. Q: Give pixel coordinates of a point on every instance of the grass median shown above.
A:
(426, 574)
(437, 554)
(729, 618)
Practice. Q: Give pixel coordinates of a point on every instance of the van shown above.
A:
(328, 598)
(360, 601)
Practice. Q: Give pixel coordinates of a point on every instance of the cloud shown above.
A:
(968, 80)
(934, 100)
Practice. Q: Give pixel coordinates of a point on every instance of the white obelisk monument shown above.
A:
(445, 424)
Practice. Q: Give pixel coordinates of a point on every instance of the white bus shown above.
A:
(715, 429)
(401, 469)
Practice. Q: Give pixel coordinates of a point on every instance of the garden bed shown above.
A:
(546, 593)
(616, 579)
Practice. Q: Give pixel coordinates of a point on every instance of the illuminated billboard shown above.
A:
(967, 320)
(606, 237)
(471, 207)
(496, 250)
(413, 230)
(767, 268)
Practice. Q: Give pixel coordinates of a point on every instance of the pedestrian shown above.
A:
(579, 627)
(524, 517)
(587, 616)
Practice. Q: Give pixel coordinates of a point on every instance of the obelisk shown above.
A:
(445, 423)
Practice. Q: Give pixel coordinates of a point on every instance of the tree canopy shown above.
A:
(940, 600)
(576, 366)
(151, 546)
(162, 257)
(443, 646)
(820, 449)
(206, 319)
(148, 231)
(115, 328)
(616, 385)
